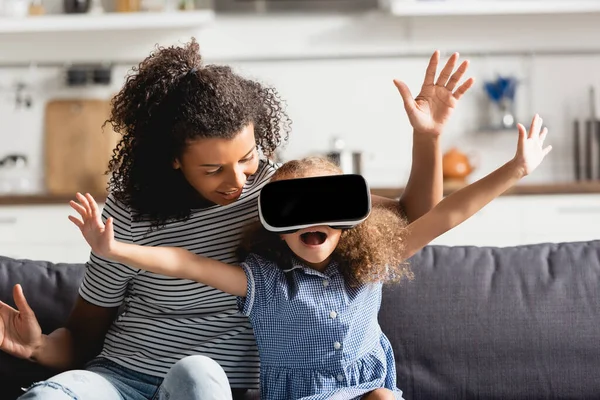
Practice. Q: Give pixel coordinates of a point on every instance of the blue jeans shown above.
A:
(191, 378)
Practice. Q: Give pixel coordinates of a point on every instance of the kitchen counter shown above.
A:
(519, 190)
(391, 192)
(41, 199)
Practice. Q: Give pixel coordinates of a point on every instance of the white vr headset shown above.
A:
(338, 201)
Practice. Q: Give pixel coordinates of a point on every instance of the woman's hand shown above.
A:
(530, 147)
(20, 332)
(429, 112)
(100, 237)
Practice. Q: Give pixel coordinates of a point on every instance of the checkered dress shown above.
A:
(317, 337)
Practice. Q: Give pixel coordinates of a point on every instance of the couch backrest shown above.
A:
(498, 323)
(488, 323)
(50, 289)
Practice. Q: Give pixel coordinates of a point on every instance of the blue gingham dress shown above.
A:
(317, 337)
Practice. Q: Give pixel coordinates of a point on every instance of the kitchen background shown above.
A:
(333, 61)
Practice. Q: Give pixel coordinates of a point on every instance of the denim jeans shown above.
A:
(191, 378)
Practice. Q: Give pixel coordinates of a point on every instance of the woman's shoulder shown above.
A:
(116, 209)
(266, 169)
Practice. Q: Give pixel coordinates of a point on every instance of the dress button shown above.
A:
(337, 345)
(340, 377)
(325, 283)
(332, 315)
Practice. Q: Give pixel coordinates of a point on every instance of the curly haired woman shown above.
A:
(194, 155)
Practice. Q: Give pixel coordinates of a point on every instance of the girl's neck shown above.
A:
(321, 267)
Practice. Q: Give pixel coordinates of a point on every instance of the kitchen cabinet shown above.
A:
(108, 22)
(43, 232)
(409, 8)
(515, 220)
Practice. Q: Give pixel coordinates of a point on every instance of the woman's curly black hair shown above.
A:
(371, 252)
(170, 99)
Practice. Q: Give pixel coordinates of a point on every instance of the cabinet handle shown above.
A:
(579, 210)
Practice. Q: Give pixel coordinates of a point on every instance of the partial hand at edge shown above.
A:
(20, 332)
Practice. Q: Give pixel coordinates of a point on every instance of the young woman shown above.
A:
(194, 154)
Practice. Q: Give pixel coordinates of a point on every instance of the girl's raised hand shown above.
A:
(530, 148)
(100, 237)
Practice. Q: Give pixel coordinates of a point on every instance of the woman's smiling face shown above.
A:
(218, 168)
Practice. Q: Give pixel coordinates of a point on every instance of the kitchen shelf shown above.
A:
(424, 8)
(106, 22)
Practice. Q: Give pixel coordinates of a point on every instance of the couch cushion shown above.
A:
(498, 323)
(50, 289)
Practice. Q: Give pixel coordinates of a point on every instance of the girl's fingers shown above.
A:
(543, 136)
(536, 124)
(109, 225)
(93, 206)
(522, 134)
(79, 208)
(84, 202)
(76, 221)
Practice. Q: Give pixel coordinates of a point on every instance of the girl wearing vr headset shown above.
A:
(313, 294)
(194, 154)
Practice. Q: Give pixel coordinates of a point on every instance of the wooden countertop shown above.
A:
(534, 189)
(41, 199)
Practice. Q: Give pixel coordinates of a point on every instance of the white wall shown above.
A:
(318, 65)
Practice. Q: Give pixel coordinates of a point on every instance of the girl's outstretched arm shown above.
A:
(169, 261)
(464, 203)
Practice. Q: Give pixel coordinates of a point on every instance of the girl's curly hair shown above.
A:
(171, 98)
(371, 252)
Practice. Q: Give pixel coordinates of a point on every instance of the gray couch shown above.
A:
(476, 323)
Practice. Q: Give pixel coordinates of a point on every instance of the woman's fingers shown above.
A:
(447, 70)
(457, 76)
(431, 69)
(462, 89)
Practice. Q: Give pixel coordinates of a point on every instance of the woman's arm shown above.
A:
(428, 113)
(65, 348)
(80, 341)
(170, 261)
(464, 203)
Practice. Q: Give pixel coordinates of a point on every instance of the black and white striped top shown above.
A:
(165, 319)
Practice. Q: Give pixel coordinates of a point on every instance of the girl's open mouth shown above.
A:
(315, 238)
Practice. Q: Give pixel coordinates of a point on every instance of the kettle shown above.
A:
(456, 165)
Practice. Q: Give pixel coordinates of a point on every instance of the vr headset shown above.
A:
(338, 201)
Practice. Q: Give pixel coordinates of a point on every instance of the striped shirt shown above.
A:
(164, 319)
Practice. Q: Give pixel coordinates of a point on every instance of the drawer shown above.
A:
(558, 237)
(66, 253)
(48, 224)
(576, 216)
(497, 224)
